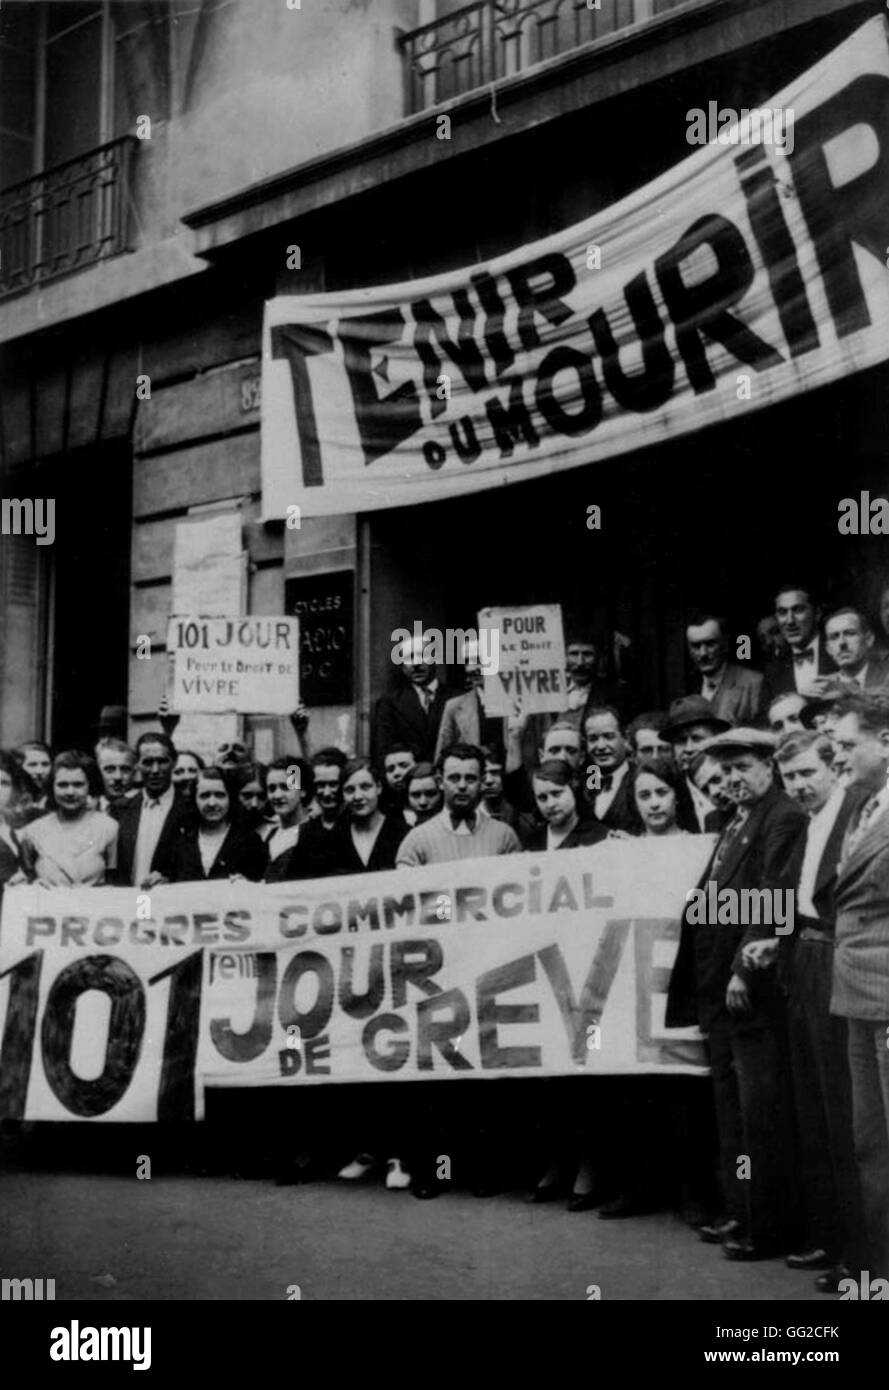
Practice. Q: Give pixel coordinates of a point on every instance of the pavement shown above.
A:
(110, 1237)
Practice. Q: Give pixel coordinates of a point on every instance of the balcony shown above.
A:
(67, 218)
(492, 39)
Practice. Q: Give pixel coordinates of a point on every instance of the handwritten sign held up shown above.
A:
(531, 672)
(244, 665)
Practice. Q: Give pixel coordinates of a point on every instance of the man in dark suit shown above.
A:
(861, 958)
(465, 719)
(849, 640)
(806, 657)
(741, 1010)
(733, 690)
(818, 1040)
(149, 822)
(412, 714)
(609, 791)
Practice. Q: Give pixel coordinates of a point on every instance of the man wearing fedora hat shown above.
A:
(740, 1009)
(691, 722)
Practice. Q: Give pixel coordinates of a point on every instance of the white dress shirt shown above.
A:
(151, 823)
(577, 695)
(710, 686)
(604, 799)
(805, 672)
(817, 835)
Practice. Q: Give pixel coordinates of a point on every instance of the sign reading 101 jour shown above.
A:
(243, 665)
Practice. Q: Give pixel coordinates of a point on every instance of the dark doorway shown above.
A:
(713, 519)
(90, 590)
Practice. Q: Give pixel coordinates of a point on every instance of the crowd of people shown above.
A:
(787, 768)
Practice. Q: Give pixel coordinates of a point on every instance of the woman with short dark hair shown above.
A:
(366, 839)
(290, 786)
(216, 843)
(555, 791)
(72, 843)
(656, 785)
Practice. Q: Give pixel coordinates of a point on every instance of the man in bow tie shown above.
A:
(806, 657)
(485, 1122)
(459, 831)
(608, 787)
(861, 957)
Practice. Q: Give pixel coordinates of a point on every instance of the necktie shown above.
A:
(729, 835)
(807, 654)
(868, 812)
(607, 782)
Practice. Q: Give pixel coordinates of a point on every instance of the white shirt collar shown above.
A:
(165, 801)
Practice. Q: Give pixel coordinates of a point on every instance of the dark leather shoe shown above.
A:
(583, 1201)
(718, 1231)
(424, 1191)
(810, 1259)
(830, 1282)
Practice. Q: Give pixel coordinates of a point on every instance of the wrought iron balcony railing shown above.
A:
(66, 218)
(491, 39)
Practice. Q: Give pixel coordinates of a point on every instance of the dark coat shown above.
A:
(382, 856)
(828, 865)
(710, 953)
(778, 676)
(241, 852)
(622, 813)
(825, 878)
(861, 955)
(585, 832)
(401, 719)
(313, 856)
(127, 814)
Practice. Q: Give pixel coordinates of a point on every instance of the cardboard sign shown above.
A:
(531, 673)
(245, 665)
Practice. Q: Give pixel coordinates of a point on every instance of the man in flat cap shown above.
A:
(740, 1009)
(691, 723)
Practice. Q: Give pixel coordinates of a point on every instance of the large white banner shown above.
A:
(113, 1002)
(743, 275)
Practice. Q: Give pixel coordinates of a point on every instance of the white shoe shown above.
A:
(397, 1178)
(358, 1168)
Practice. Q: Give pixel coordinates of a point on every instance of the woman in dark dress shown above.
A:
(216, 843)
(554, 784)
(366, 840)
(555, 792)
